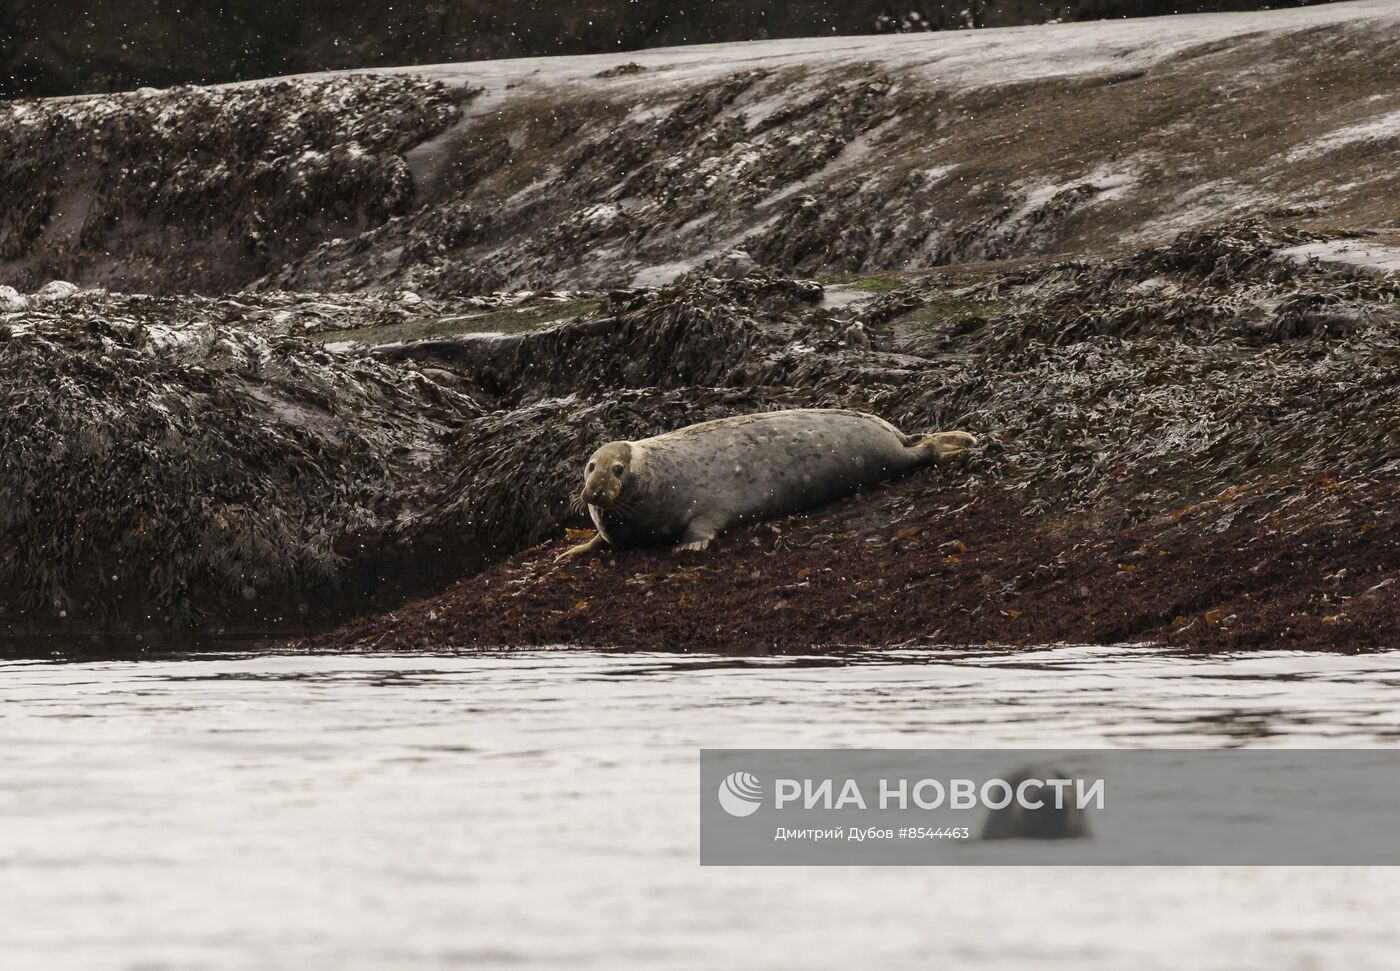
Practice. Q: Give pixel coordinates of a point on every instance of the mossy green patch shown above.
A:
(866, 283)
(951, 310)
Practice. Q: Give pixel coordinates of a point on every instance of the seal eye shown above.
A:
(617, 469)
(590, 466)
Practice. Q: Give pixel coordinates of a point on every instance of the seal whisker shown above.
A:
(623, 507)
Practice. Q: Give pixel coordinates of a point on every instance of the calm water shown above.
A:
(539, 810)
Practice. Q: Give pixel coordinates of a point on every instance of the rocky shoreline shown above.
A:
(1196, 443)
(387, 325)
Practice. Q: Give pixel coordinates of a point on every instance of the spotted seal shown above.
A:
(686, 486)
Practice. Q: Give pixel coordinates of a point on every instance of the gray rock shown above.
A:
(12, 301)
(55, 291)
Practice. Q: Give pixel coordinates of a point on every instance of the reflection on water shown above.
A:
(539, 809)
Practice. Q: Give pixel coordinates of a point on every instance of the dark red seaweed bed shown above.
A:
(1277, 564)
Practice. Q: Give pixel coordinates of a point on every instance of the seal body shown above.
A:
(688, 485)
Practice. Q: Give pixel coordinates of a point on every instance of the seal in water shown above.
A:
(1047, 821)
(686, 486)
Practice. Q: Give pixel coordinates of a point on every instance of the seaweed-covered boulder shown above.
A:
(697, 332)
(201, 188)
(196, 473)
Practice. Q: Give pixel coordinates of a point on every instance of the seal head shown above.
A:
(605, 478)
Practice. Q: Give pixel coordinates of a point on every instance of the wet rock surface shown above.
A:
(879, 154)
(210, 41)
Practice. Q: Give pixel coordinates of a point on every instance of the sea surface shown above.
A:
(539, 810)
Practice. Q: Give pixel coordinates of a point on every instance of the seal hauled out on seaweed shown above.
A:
(686, 486)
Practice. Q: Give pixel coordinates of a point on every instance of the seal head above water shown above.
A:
(687, 486)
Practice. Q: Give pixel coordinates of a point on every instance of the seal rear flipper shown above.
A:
(944, 445)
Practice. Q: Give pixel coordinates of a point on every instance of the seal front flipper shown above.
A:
(698, 536)
(587, 546)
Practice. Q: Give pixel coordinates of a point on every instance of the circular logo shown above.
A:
(740, 794)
